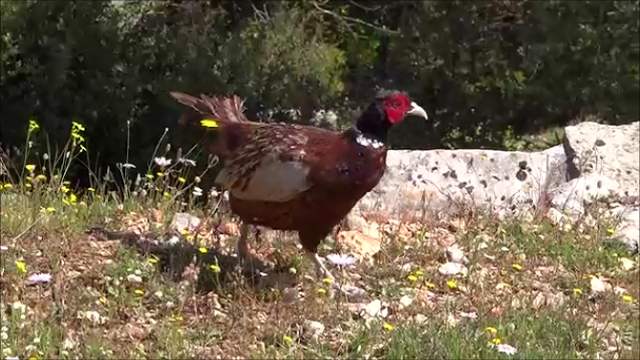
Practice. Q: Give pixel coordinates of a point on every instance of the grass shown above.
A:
(529, 285)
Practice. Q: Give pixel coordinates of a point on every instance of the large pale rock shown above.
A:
(418, 184)
(571, 196)
(628, 229)
(595, 162)
(607, 150)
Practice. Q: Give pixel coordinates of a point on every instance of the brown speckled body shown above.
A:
(342, 172)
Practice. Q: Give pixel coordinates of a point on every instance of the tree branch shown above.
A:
(347, 19)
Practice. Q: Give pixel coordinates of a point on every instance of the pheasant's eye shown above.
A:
(396, 104)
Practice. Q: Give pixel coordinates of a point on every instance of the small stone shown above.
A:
(420, 319)
(407, 267)
(231, 228)
(627, 264)
(597, 285)
(352, 293)
(184, 222)
(132, 278)
(312, 329)
(451, 268)
(375, 309)
(405, 301)
(363, 247)
(290, 295)
(452, 321)
(555, 216)
(538, 301)
(455, 254)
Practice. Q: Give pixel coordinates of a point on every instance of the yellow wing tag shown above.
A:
(209, 123)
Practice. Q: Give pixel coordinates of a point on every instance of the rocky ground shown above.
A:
(473, 287)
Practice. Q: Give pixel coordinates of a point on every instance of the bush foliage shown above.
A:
(488, 72)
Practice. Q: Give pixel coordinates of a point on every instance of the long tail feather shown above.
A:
(223, 109)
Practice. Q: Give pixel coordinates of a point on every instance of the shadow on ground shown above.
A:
(214, 270)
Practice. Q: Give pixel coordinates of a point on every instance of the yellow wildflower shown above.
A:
(182, 180)
(41, 177)
(33, 126)
(21, 266)
(149, 176)
(30, 167)
(152, 260)
(322, 291)
(215, 268)
(412, 278)
(388, 326)
(429, 284)
(139, 292)
(627, 298)
(503, 231)
(202, 249)
(496, 341)
(452, 284)
(287, 339)
(166, 195)
(76, 126)
(491, 329)
(516, 267)
(419, 273)
(91, 189)
(327, 281)
(577, 291)
(7, 186)
(103, 300)
(611, 231)
(160, 174)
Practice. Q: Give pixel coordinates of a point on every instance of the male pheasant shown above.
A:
(293, 177)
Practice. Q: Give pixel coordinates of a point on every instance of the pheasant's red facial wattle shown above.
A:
(396, 107)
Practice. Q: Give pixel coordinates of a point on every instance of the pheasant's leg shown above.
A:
(244, 255)
(310, 239)
(242, 246)
(320, 266)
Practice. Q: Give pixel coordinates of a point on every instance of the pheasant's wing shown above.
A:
(269, 164)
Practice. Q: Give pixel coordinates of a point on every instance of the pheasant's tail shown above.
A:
(222, 109)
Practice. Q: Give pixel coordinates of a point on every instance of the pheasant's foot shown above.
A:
(351, 293)
(320, 268)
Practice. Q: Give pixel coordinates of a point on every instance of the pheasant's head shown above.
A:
(389, 108)
(397, 105)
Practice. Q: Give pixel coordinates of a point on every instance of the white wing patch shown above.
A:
(272, 180)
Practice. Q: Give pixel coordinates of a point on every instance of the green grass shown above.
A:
(108, 300)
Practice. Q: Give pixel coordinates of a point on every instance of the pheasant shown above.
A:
(293, 177)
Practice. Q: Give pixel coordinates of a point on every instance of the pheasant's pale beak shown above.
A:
(417, 110)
